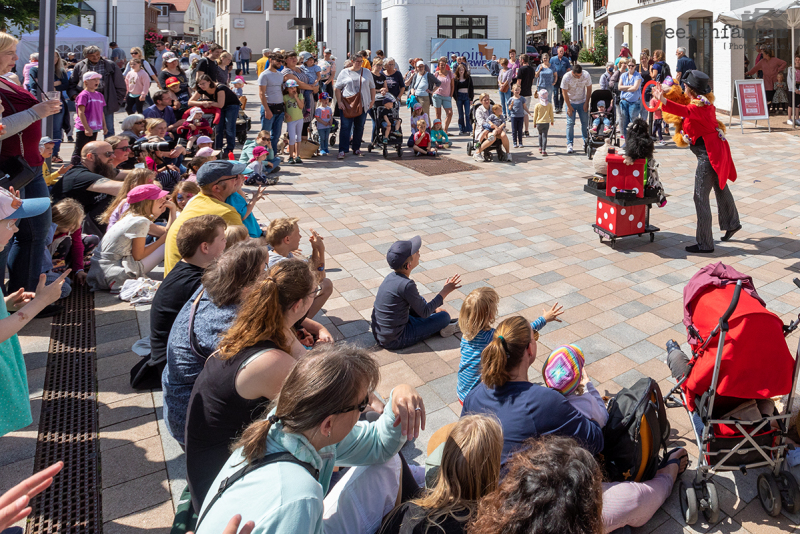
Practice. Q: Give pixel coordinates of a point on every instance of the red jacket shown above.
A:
(701, 121)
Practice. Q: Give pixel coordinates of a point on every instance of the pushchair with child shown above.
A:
(740, 361)
(472, 145)
(313, 133)
(598, 138)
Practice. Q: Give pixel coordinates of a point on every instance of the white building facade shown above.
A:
(240, 21)
(208, 15)
(403, 29)
(130, 22)
(666, 25)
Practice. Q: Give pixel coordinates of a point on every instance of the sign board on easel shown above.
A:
(752, 100)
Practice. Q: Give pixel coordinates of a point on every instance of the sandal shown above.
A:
(666, 461)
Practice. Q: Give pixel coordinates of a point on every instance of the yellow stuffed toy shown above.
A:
(674, 93)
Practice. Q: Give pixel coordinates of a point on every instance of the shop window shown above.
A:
(363, 35)
(456, 27)
(251, 6)
(281, 5)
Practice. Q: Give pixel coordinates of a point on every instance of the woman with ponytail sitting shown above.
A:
(525, 410)
(316, 422)
(469, 470)
(238, 381)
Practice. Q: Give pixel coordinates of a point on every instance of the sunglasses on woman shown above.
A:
(360, 407)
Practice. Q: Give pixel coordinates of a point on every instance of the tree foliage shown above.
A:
(566, 36)
(23, 13)
(557, 10)
(600, 45)
(309, 44)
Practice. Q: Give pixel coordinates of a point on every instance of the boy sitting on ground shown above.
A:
(284, 236)
(400, 316)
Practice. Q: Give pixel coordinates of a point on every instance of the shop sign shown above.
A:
(477, 51)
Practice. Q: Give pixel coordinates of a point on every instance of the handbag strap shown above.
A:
(194, 346)
(261, 462)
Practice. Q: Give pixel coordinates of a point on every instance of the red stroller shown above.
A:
(740, 360)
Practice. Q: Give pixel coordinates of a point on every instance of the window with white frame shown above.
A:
(458, 27)
(163, 11)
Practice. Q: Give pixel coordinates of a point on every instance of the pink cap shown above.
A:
(91, 75)
(258, 152)
(206, 152)
(145, 192)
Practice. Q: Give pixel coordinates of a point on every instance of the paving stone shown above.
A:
(155, 520)
(132, 461)
(134, 496)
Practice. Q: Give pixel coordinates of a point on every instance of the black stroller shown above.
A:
(243, 125)
(472, 145)
(598, 138)
(394, 142)
(314, 133)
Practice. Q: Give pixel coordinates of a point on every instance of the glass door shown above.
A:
(700, 47)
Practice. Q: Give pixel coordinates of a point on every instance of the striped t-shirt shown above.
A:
(469, 370)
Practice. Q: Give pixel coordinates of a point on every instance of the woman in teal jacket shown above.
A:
(316, 421)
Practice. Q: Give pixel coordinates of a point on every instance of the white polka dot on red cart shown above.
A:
(638, 225)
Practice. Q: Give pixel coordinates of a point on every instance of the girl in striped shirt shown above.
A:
(475, 319)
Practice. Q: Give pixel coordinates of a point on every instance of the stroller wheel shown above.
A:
(399, 152)
(790, 494)
(769, 494)
(332, 140)
(711, 510)
(469, 148)
(688, 499)
(369, 147)
(385, 152)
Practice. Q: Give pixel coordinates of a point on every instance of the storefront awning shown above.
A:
(770, 9)
(298, 23)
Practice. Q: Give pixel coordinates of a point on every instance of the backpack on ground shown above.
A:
(637, 428)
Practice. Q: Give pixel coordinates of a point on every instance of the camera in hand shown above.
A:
(143, 145)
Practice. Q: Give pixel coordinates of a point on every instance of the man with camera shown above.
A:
(90, 184)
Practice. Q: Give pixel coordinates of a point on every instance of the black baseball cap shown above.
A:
(400, 251)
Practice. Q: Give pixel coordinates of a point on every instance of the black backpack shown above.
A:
(637, 428)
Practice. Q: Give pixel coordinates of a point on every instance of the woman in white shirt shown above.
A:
(350, 81)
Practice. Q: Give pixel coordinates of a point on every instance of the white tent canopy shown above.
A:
(69, 38)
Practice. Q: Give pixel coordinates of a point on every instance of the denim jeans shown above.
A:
(276, 164)
(357, 126)
(274, 127)
(227, 127)
(584, 116)
(504, 98)
(24, 254)
(324, 136)
(109, 125)
(463, 104)
(418, 329)
(628, 111)
(58, 128)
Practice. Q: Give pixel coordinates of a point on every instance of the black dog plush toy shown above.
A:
(638, 143)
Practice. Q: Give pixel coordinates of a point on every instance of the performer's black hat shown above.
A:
(698, 81)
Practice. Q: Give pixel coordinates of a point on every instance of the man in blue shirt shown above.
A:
(162, 109)
(685, 64)
(560, 64)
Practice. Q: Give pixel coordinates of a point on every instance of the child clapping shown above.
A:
(563, 372)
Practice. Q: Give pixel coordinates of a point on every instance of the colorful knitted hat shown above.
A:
(563, 369)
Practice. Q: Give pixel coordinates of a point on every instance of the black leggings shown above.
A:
(81, 140)
(132, 102)
(517, 126)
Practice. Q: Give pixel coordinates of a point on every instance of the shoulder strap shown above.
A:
(261, 462)
(194, 346)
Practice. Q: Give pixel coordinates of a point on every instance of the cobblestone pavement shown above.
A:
(523, 228)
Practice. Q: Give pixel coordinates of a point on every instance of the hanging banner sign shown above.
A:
(477, 51)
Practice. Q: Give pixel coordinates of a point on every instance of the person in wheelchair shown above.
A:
(388, 121)
(601, 116)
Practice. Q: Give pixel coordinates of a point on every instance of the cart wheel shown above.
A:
(688, 500)
(385, 152)
(769, 494)
(711, 513)
(469, 148)
(613, 242)
(501, 156)
(369, 147)
(652, 237)
(790, 495)
(488, 155)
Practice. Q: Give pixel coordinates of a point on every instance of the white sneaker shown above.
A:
(570, 150)
(450, 329)
(508, 157)
(790, 123)
(661, 143)
(478, 156)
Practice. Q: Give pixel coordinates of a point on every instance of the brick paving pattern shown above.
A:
(523, 228)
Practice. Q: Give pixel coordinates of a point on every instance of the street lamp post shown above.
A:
(266, 16)
(352, 28)
(114, 12)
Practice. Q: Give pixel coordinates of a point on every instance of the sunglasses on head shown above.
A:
(360, 407)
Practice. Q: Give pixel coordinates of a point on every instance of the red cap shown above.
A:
(172, 80)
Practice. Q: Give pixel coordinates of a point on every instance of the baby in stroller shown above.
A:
(601, 116)
(388, 121)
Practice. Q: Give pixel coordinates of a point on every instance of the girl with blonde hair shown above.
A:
(119, 206)
(469, 469)
(478, 313)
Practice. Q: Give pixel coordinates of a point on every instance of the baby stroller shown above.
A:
(243, 125)
(395, 142)
(314, 133)
(741, 363)
(471, 144)
(598, 139)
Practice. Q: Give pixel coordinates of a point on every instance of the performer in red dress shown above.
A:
(715, 166)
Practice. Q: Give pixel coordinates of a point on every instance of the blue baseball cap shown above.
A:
(29, 207)
(400, 251)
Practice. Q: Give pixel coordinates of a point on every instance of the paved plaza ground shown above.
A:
(523, 228)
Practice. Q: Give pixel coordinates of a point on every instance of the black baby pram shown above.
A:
(598, 139)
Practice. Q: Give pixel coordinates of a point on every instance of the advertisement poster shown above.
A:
(477, 51)
(752, 100)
